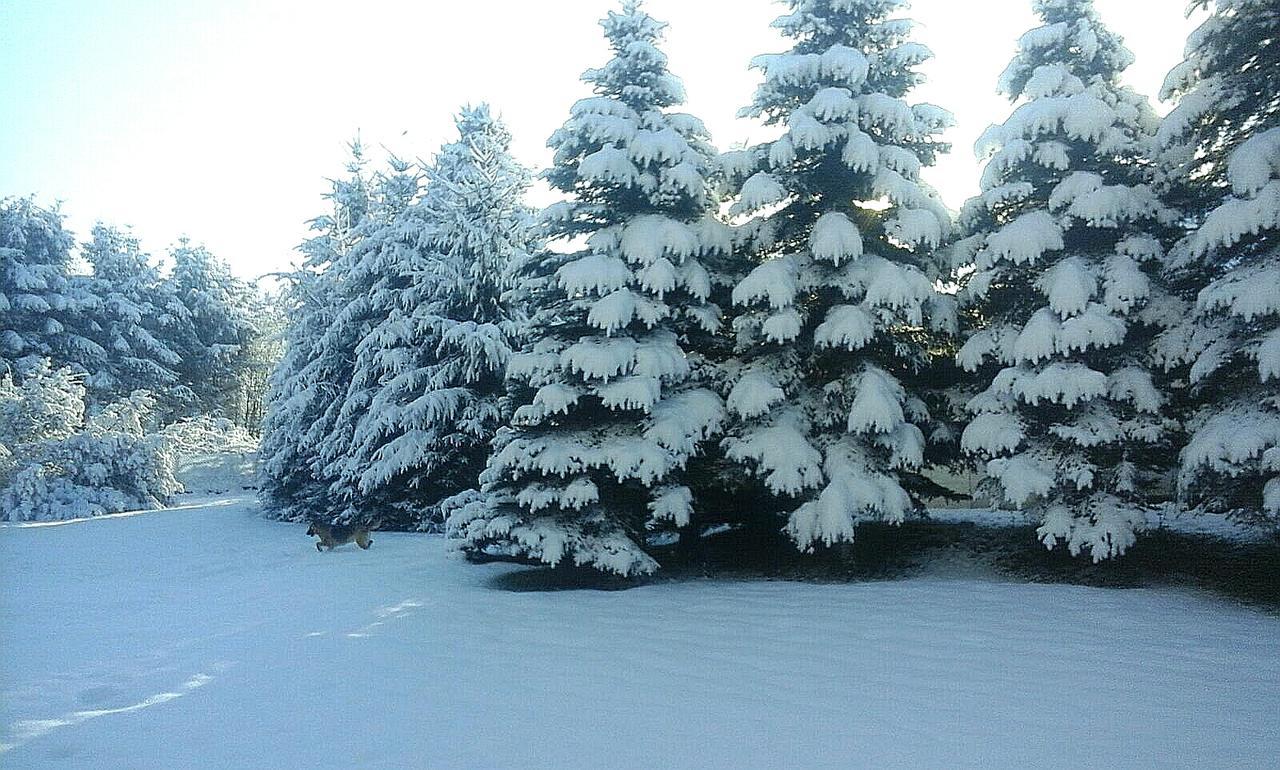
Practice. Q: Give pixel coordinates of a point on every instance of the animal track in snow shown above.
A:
(29, 729)
(384, 614)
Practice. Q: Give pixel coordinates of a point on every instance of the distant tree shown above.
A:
(41, 308)
(261, 355)
(138, 321)
(221, 327)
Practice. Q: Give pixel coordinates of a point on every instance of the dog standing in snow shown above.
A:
(334, 535)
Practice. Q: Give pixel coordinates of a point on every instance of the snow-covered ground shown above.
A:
(205, 636)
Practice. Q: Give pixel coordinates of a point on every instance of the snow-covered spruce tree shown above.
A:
(288, 486)
(137, 320)
(1063, 244)
(285, 482)
(42, 310)
(610, 415)
(834, 335)
(434, 362)
(1221, 151)
(56, 464)
(343, 388)
(220, 326)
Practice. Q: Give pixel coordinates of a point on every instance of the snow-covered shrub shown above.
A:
(56, 464)
(47, 404)
(205, 435)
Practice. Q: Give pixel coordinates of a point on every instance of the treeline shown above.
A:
(795, 335)
(109, 364)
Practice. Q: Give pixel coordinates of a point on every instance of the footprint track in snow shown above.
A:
(25, 730)
(384, 614)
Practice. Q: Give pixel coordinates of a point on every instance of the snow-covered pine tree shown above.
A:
(220, 326)
(838, 314)
(344, 389)
(288, 486)
(433, 364)
(1221, 150)
(138, 321)
(610, 415)
(1063, 245)
(42, 310)
(361, 284)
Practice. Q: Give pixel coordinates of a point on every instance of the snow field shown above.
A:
(208, 637)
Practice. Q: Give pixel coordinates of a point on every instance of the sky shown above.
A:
(222, 119)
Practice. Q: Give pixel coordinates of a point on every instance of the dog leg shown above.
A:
(318, 548)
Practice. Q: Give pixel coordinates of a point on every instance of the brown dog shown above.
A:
(333, 535)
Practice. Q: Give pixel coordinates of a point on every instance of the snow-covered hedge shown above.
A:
(57, 463)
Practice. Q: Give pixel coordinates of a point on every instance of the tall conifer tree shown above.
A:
(610, 412)
(1221, 151)
(435, 360)
(139, 321)
(220, 327)
(290, 487)
(1064, 247)
(837, 316)
(42, 308)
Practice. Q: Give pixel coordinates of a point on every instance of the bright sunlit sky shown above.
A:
(221, 119)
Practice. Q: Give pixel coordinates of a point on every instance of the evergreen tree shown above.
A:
(1064, 247)
(610, 413)
(220, 327)
(289, 486)
(1221, 153)
(138, 321)
(42, 308)
(356, 283)
(723, 490)
(838, 314)
(434, 362)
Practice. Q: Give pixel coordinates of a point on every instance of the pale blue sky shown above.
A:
(221, 118)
